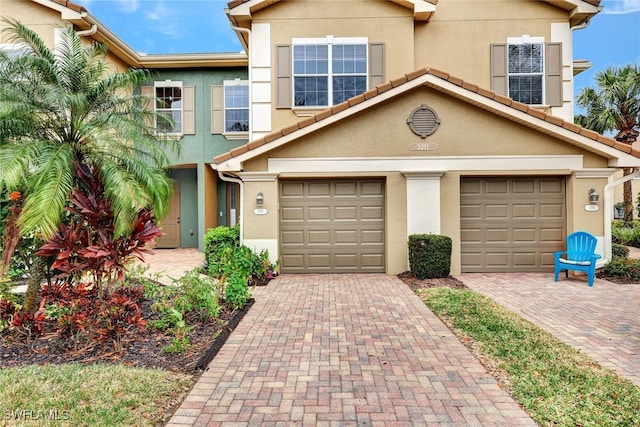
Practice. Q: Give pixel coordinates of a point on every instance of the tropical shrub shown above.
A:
(627, 269)
(430, 255)
(88, 244)
(619, 251)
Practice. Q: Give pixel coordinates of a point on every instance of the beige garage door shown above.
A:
(332, 226)
(511, 224)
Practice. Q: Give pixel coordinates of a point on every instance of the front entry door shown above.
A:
(171, 223)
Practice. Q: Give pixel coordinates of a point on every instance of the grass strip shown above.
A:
(556, 384)
(93, 395)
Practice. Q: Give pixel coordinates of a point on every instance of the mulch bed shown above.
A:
(142, 348)
(414, 283)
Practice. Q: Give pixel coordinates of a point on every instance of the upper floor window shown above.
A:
(236, 106)
(328, 71)
(168, 106)
(529, 70)
(526, 73)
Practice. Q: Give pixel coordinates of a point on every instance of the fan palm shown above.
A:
(614, 106)
(63, 108)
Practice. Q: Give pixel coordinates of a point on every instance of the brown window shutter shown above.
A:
(553, 74)
(376, 64)
(188, 110)
(283, 76)
(148, 93)
(499, 78)
(217, 109)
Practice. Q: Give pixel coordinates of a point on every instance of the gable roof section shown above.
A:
(84, 21)
(619, 154)
(422, 9)
(580, 10)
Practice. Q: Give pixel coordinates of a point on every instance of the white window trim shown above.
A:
(169, 83)
(227, 134)
(526, 39)
(329, 41)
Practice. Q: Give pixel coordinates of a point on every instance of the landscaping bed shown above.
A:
(142, 347)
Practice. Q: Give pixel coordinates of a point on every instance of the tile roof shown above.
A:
(385, 87)
(70, 5)
(236, 3)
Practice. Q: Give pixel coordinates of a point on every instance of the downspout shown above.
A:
(91, 31)
(235, 180)
(608, 209)
(249, 74)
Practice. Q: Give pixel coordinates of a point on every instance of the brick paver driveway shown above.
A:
(358, 350)
(602, 321)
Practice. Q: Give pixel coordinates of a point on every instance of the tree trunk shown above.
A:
(628, 199)
(38, 273)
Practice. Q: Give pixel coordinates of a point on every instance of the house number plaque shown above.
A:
(423, 146)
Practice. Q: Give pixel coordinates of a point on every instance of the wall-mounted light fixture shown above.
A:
(594, 197)
(259, 199)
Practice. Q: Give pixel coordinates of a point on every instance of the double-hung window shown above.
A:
(168, 107)
(529, 70)
(526, 72)
(236, 106)
(328, 71)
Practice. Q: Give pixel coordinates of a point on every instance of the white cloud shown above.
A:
(618, 7)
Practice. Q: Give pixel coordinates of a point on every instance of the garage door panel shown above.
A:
(524, 235)
(342, 225)
(349, 189)
(552, 210)
(524, 187)
(346, 213)
(524, 210)
(372, 237)
(497, 211)
(291, 189)
(511, 224)
(497, 187)
(319, 189)
(497, 259)
(497, 235)
(322, 237)
(552, 235)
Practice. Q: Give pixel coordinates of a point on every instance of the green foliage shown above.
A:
(625, 234)
(192, 294)
(236, 292)
(623, 268)
(619, 251)
(430, 255)
(554, 383)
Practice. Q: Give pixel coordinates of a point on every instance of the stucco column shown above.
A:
(423, 202)
(260, 221)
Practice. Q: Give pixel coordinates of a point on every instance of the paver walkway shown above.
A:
(347, 350)
(602, 321)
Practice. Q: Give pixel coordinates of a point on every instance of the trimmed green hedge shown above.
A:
(430, 255)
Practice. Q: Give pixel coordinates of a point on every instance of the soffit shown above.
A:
(618, 154)
(242, 10)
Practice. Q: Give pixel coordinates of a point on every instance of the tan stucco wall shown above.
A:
(39, 18)
(380, 21)
(472, 26)
(466, 131)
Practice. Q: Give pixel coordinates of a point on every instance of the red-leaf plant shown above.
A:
(87, 244)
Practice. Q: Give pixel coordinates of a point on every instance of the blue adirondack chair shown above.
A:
(580, 255)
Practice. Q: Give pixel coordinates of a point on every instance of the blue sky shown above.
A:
(190, 26)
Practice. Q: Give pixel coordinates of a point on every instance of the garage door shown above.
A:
(511, 224)
(332, 226)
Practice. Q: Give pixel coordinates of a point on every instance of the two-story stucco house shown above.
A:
(374, 120)
(191, 88)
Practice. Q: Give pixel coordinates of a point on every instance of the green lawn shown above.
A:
(556, 384)
(91, 395)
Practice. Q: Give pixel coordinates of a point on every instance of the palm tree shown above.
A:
(614, 106)
(62, 108)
